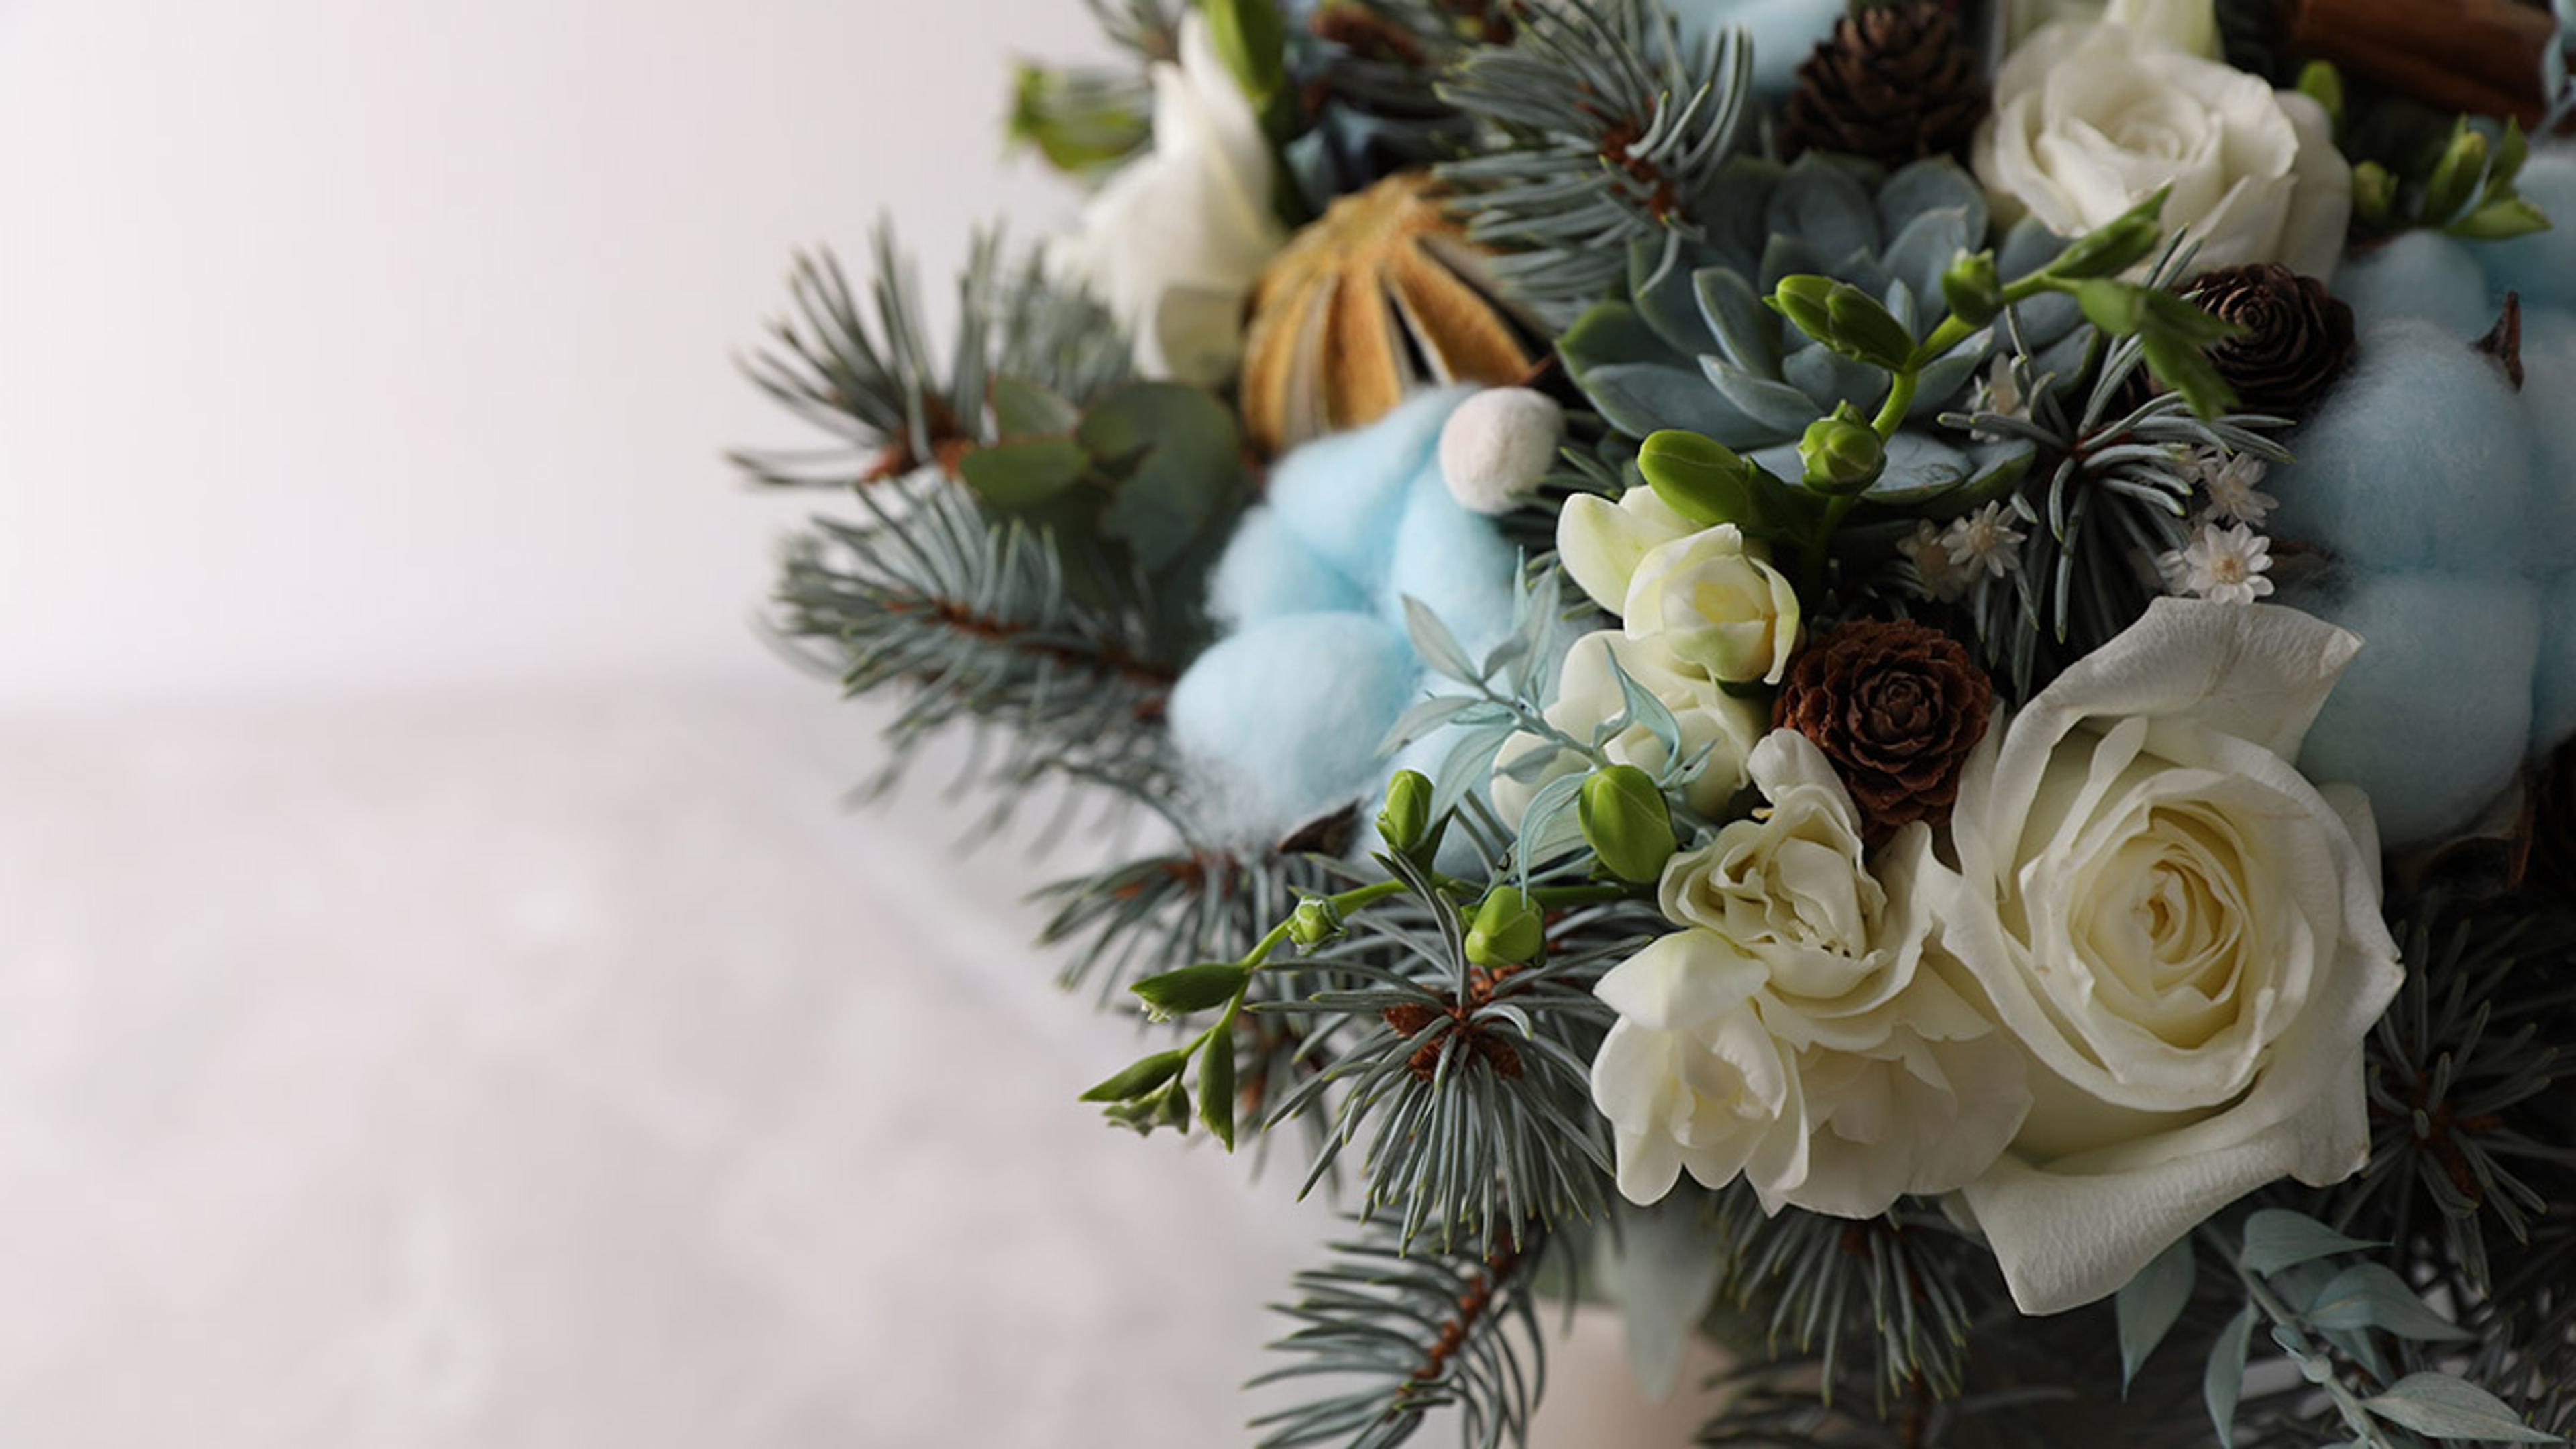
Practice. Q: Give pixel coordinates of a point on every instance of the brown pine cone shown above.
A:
(1896, 707)
(2298, 337)
(1894, 84)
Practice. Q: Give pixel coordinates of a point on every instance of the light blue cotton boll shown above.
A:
(1268, 571)
(2421, 274)
(2433, 717)
(2541, 266)
(2420, 459)
(1280, 723)
(1455, 562)
(1343, 494)
(2553, 691)
(1784, 33)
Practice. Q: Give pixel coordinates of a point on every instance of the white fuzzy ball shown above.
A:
(1497, 445)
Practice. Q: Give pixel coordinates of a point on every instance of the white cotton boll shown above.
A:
(1497, 445)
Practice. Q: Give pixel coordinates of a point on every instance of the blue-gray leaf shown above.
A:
(1664, 1275)
(1639, 398)
(2368, 1295)
(2223, 1382)
(2149, 1304)
(1432, 640)
(2449, 1408)
(2277, 1238)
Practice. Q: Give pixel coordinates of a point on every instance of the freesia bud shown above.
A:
(1842, 454)
(1626, 822)
(1972, 287)
(1315, 922)
(1407, 814)
(1506, 931)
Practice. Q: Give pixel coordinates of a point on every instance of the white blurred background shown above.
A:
(443, 1000)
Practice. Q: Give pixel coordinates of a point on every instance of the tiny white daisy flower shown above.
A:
(2230, 481)
(1943, 579)
(1985, 538)
(2222, 565)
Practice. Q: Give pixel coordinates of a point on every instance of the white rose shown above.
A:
(2089, 120)
(1174, 240)
(1833, 1075)
(1716, 602)
(2182, 932)
(1714, 725)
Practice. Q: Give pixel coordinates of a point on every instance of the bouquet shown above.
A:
(1893, 686)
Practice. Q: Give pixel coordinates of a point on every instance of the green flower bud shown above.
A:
(2319, 81)
(1865, 331)
(1407, 815)
(2116, 245)
(1973, 288)
(1699, 478)
(2500, 221)
(2510, 153)
(1252, 40)
(1316, 921)
(2456, 175)
(1506, 930)
(2374, 194)
(1626, 822)
(1802, 299)
(1842, 453)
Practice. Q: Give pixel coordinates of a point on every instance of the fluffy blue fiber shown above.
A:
(1342, 494)
(2435, 714)
(1268, 571)
(1783, 32)
(2554, 691)
(1282, 721)
(2420, 459)
(2421, 274)
(2549, 411)
(1455, 562)
(2541, 266)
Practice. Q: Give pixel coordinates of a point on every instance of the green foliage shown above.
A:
(1392, 1334)
(890, 404)
(1603, 126)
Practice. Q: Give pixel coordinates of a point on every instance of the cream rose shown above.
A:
(1715, 727)
(1708, 595)
(2180, 930)
(2089, 120)
(1786, 1033)
(1174, 240)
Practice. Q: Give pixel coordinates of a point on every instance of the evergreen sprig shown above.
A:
(973, 621)
(1394, 1335)
(883, 392)
(1605, 125)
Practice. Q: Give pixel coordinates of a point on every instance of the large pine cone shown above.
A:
(1894, 84)
(1896, 707)
(2298, 337)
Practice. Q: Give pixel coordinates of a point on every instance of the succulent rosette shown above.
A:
(1896, 682)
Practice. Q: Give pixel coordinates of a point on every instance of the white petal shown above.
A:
(1680, 981)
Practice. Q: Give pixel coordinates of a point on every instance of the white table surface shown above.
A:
(509, 1070)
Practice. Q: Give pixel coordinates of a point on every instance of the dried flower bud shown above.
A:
(1897, 707)
(2297, 340)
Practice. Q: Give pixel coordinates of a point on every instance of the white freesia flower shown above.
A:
(1714, 725)
(2089, 120)
(2182, 932)
(1174, 240)
(1834, 1075)
(1708, 595)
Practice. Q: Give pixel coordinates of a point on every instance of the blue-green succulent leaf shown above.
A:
(1787, 255)
(1924, 248)
(1665, 297)
(1776, 408)
(1639, 398)
(1747, 332)
(1828, 206)
(1826, 377)
(1935, 184)
(1613, 333)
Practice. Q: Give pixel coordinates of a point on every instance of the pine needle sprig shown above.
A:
(1171, 908)
(1606, 126)
(2114, 495)
(972, 621)
(1471, 1087)
(1397, 1334)
(869, 377)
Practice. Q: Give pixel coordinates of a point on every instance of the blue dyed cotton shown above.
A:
(1783, 32)
(2433, 718)
(2541, 266)
(2418, 459)
(2422, 274)
(2553, 690)
(1281, 720)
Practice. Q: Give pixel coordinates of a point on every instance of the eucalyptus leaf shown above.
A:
(2149, 1303)
(1431, 714)
(1024, 409)
(2223, 1382)
(1176, 460)
(1664, 1272)
(2449, 1408)
(1435, 644)
(1024, 474)
(2277, 1238)
(2369, 1295)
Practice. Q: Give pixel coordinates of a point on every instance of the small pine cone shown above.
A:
(1897, 707)
(1894, 84)
(2298, 337)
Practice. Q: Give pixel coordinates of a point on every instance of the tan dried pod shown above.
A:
(1382, 295)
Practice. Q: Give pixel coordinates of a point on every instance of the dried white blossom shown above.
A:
(1984, 539)
(2229, 480)
(1942, 579)
(2222, 565)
